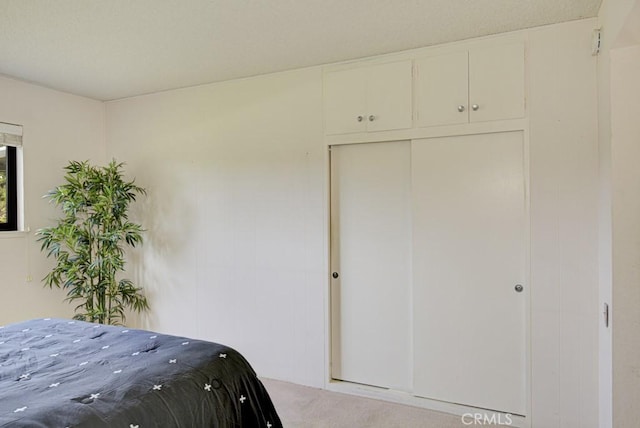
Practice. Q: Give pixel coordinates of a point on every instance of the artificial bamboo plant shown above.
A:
(89, 241)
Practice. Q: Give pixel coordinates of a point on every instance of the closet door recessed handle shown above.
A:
(372, 118)
(360, 118)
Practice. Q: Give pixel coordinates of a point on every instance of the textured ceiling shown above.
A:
(110, 49)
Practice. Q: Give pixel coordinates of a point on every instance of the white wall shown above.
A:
(620, 387)
(564, 206)
(57, 127)
(625, 157)
(235, 250)
(625, 179)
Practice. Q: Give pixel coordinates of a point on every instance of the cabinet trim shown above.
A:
(430, 132)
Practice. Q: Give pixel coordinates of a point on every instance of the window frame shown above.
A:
(11, 225)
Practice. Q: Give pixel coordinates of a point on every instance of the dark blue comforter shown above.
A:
(63, 373)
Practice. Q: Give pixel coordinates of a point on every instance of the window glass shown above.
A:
(3, 184)
(8, 190)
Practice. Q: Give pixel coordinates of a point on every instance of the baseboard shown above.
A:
(406, 398)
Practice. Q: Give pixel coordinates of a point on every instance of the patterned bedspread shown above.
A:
(63, 373)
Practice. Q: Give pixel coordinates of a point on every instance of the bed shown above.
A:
(65, 373)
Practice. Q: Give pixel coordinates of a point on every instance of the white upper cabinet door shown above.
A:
(496, 83)
(441, 88)
(365, 99)
(389, 96)
(345, 101)
(478, 85)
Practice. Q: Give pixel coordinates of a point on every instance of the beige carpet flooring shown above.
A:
(304, 407)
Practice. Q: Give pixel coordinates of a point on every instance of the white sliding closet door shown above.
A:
(371, 253)
(469, 256)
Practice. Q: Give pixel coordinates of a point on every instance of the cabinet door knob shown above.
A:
(335, 275)
(519, 288)
(360, 118)
(475, 107)
(372, 118)
(460, 108)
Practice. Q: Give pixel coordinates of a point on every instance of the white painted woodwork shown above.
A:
(345, 100)
(491, 77)
(379, 95)
(468, 254)
(371, 251)
(441, 88)
(496, 82)
(389, 96)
